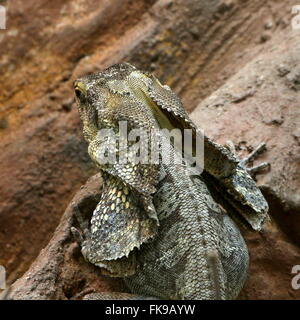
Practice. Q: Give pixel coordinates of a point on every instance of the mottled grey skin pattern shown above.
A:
(159, 226)
(199, 252)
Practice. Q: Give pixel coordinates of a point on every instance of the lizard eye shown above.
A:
(78, 93)
(80, 89)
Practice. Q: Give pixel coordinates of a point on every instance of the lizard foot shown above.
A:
(83, 233)
(254, 154)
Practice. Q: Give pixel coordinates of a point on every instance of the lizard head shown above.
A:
(122, 92)
(93, 97)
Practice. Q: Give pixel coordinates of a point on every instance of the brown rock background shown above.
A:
(194, 46)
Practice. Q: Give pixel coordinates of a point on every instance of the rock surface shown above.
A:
(194, 46)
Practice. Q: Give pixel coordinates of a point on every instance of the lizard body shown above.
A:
(198, 253)
(158, 225)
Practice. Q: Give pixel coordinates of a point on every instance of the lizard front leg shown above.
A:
(241, 200)
(248, 159)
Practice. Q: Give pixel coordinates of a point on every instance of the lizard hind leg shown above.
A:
(248, 159)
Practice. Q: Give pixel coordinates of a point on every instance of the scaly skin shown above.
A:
(199, 252)
(159, 226)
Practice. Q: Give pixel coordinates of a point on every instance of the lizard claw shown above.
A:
(254, 154)
(253, 170)
(77, 235)
(84, 232)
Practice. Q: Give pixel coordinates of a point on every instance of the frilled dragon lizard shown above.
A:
(169, 232)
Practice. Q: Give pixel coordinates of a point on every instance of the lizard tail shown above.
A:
(216, 274)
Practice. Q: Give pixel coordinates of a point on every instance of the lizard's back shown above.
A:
(199, 252)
